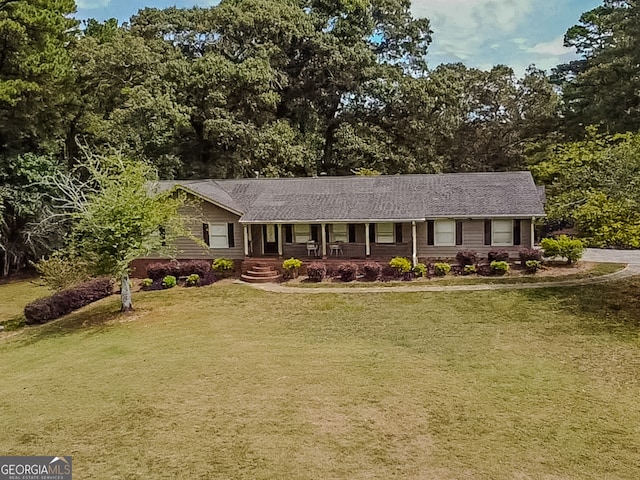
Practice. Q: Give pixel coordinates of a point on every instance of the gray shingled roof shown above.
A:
(394, 198)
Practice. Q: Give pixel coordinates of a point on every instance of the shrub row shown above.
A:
(157, 271)
(66, 301)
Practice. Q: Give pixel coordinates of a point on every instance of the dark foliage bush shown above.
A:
(527, 254)
(208, 279)
(498, 256)
(371, 271)
(347, 272)
(66, 301)
(316, 271)
(484, 270)
(157, 271)
(197, 267)
(467, 257)
(389, 273)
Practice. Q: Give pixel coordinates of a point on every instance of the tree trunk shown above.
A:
(125, 293)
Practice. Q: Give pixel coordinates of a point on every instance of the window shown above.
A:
(502, 233)
(302, 232)
(219, 235)
(384, 232)
(340, 232)
(445, 233)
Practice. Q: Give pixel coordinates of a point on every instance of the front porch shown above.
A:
(339, 242)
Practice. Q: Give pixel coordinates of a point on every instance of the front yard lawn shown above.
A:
(229, 382)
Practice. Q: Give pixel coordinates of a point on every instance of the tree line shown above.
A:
(283, 88)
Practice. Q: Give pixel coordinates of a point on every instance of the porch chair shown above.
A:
(312, 247)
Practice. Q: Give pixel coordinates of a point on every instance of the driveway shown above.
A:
(612, 256)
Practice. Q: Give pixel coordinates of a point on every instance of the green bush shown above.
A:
(223, 266)
(564, 247)
(470, 269)
(441, 269)
(420, 270)
(401, 264)
(169, 281)
(60, 273)
(193, 280)
(499, 267)
(533, 265)
(291, 267)
(146, 283)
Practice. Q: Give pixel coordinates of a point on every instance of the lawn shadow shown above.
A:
(612, 307)
(97, 316)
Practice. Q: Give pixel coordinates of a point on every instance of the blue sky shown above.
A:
(479, 33)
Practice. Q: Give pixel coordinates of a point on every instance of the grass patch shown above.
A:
(15, 295)
(231, 382)
(553, 275)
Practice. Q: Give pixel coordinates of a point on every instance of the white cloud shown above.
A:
(553, 48)
(92, 4)
(462, 28)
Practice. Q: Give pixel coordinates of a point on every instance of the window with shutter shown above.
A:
(502, 233)
(302, 232)
(384, 232)
(340, 232)
(218, 235)
(445, 233)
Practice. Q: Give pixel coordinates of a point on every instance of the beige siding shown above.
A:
(209, 213)
(472, 239)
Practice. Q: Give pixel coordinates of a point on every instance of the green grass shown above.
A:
(596, 270)
(229, 382)
(15, 295)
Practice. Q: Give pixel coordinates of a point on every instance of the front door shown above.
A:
(270, 238)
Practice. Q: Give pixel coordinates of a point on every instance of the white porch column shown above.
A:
(250, 238)
(533, 232)
(414, 241)
(323, 235)
(367, 245)
(279, 227)
(246, 240)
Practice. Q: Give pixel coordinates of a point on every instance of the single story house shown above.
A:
(420, 217)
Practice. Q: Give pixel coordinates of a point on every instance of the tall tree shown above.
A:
(36, 75)
(603, 86)
(116, 217)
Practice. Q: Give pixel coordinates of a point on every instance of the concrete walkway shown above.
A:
(612, 256)
(631, 257)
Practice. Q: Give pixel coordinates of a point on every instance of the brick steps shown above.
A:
(261, 274)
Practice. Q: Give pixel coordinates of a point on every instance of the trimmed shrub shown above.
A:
(469, 270)
(420, 270)
(66, 301)
(291, 267)
(371, 271)
(527, 254)
(347, 272)
(499, 267)
(498, 256)
(316, 271)
(401, 264)
(208, 279)
(157, 271)
(533, 265)
(192, 280)
(563, 246)
(441, 269)
(195, 267)
(223, 266)
(146, 284)
(467, 257)
(169, 281)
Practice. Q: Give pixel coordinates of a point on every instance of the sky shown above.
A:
(478, 33)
